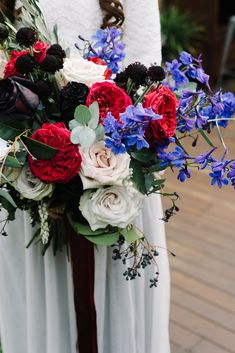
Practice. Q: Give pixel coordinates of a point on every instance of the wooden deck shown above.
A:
(203, 278)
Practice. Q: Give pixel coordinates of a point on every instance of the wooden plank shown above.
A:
(211, 250)
(192, 255)
(182, 337)
(207, 310)
(203, 328)
(206, 276)
(211, 234)
(204, 291)
(208, 347)
(176, 349)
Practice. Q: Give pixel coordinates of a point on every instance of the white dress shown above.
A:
(36, 293)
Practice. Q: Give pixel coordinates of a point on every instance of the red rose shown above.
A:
(163, 102)
(98, 61)
(110, 98)
(66, 162)
(10, 69)
(40, 51)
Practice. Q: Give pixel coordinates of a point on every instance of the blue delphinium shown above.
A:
(187, 69)
(218, 173)
(183, 173)
(176, 158)
(108, 46)
(225, 108)
(130, 131)
(179, 77)
(205, 158)
(231, 174)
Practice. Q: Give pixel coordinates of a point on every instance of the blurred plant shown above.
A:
(180, 32)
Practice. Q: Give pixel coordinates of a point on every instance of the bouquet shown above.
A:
(82, 142)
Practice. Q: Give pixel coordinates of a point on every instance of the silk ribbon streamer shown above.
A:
(82, 258)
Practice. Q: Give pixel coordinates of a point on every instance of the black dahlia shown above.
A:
(70, 97)
(137, 72)
(57, 51)
(156, 73)
(51, 64)
(25, 64)
(26, 36)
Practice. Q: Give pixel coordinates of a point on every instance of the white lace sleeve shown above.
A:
(73, 17)
(142, 33)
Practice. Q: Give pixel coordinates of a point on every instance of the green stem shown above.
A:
(178, 143)
(141, 97)
(206, 138)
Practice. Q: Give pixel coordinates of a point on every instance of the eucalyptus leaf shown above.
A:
(95, 115)
(7, 196)
(130, 235)
(12, 162)
(38, 149)
(82, 114)
(83, 136)
(73, 123)
(100, 132)
(106, 239)
(188, 86)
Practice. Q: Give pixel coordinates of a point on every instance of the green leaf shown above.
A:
(95, 115)
(156, 167)
(100, 132)
(83, 135)
(38, 149)
(82, 114)
(73, 123)
(130, 235)
(138, 176)
(84, 229)
(7, 196)
(149, 181)
(189, 86)
(8, 132)
(12, 162)
(207, 139)
(107, 239)
(144, 156)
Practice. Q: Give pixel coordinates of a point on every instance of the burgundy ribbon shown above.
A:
(82, 258)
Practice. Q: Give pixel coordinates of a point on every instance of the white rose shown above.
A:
(78, 69)
(9, 174)
(100, 166)
(116, 206)
(5, 148)
(3, 62)
(31, 187)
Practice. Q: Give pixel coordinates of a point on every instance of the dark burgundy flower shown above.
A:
(25, 64)
(137, 72)
(10, 69)
(56, 50)
(71, 96)
(51, 64)
(17, 100)
(26, 36)
(156, 73)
